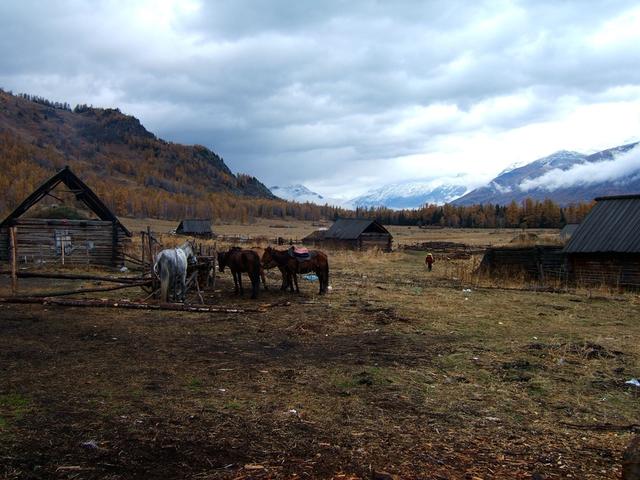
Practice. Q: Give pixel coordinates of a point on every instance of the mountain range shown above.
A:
(565, 177)
(410, 195)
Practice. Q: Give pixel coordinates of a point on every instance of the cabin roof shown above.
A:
(612, 226)
(82, 192)
(569, 229)
(352, 228)
(195, 225)
(315, 235)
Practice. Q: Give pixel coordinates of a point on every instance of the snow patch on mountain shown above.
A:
(410, 195)
(301, 194)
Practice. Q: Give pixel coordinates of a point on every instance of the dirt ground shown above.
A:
(396, 370)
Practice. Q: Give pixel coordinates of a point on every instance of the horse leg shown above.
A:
(264, 280)
(240, 283)
(255, 284)
(285, 278)
(290, 276)
(234, 274)
(295, 280)
(323, 279)
(183, 285)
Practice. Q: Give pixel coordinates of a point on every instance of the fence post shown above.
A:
(62, 247)
(13, 246)
(150, 252)
(143, 241)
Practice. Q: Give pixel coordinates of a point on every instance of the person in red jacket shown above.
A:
(429, 261)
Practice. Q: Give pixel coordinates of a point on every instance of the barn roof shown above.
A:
(568, 230)
(612, 225)
(315, 235)
(352, 228)
(195, 226)
(82, 192)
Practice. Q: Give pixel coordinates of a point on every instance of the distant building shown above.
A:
(357, 234)
(317, 236)
(195, 227)
(605, 248)
(568, 230)
(99, 241)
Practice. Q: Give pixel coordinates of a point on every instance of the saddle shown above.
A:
(299, 253)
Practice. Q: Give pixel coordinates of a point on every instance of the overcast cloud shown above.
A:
(343, 96)
(624, 168)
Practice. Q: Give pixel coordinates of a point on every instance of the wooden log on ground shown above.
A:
(179, 307)
(74, 276)
(64, 293)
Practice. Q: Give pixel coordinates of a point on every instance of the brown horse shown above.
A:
(260, 252)
(317, 263)
(239, 261)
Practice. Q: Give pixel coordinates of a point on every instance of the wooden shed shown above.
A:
(97, 241)
(195, 227)
(358, 234)
(605, 248)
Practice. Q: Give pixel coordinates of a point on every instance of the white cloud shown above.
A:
(360, 93)
(622, 168)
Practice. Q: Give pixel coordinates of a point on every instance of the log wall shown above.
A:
(88, 242)
(540, 263)
(616, 270)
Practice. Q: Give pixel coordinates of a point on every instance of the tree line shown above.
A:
(528, 213)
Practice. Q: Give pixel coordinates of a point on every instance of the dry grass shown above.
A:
(469, 236)
(397, 369)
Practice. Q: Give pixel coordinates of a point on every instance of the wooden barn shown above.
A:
(97, 241)
(605, 248)
(358, 234)
(195, 227)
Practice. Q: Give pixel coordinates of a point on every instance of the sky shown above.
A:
(343, 96)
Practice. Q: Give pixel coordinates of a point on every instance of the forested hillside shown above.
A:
(136, 173)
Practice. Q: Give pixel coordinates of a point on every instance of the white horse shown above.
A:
(171, 267)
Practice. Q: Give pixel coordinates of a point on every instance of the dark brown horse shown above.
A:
(317, 263)
(239, 261)
(260, 252)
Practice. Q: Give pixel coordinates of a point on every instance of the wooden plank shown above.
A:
(13, 240)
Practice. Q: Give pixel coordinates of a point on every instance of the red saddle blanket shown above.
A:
(299, 254)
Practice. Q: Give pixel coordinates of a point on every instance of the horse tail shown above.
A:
(156, 265)
(323, 277)
(164, 289)
(164, 273)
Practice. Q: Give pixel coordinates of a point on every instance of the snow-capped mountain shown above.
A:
(565, 177)
(300, 193)
(410, 195)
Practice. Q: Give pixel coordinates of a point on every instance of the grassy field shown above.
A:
(402, 235)
(396, 370)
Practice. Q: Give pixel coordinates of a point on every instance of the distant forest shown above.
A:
(138, 175)
(530, 213)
